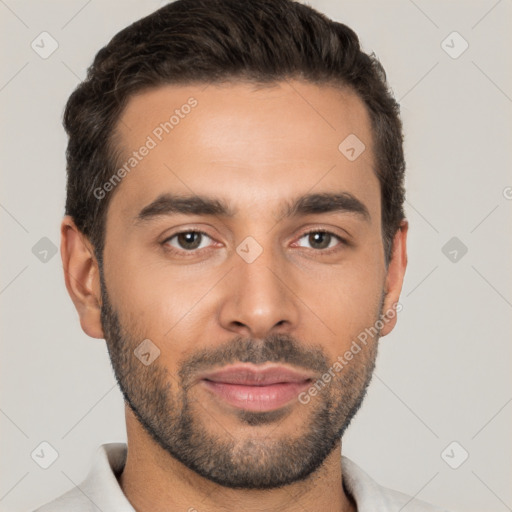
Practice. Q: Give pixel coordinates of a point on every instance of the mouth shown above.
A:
(254, 388)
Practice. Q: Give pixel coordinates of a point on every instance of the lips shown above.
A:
(255, 388)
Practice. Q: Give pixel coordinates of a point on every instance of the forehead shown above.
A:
(251, 145)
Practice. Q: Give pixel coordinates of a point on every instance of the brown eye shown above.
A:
(188, 240)
(320, 240)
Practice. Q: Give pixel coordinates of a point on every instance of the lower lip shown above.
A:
(257, 398)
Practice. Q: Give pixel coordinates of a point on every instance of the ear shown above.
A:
(395, 277)
(81, 273)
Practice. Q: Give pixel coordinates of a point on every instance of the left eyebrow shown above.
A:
(308, 204)
(327, 202)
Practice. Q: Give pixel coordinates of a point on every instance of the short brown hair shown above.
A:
(213, 41)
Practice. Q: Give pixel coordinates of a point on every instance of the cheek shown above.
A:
(350, 300)
(164, 303)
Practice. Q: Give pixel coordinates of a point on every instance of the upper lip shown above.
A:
(251, 375)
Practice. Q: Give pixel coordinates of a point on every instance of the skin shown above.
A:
(256, 148)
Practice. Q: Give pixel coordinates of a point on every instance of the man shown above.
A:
(235, 231)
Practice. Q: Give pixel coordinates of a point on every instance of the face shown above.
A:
(246, 249)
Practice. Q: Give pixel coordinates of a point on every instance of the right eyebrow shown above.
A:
(168, 204)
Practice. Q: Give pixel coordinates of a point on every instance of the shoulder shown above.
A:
(100, 490)
(370, 496)
(71, 500)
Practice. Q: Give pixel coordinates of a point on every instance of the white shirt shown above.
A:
(101, 491)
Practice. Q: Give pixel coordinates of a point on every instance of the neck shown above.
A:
(153, 481)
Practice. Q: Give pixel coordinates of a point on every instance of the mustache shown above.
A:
(275, 348)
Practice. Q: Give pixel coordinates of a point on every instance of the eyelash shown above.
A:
(321, 252)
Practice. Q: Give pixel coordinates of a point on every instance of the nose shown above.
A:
(259, 299)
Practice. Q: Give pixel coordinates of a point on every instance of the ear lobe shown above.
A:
(395, 277)
(81, 274)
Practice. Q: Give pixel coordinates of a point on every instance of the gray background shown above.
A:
(443, 374)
